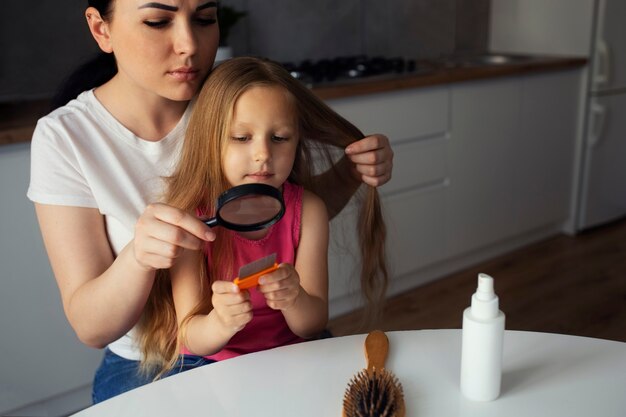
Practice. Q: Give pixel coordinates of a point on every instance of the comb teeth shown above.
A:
(373, 395)
(257, 266)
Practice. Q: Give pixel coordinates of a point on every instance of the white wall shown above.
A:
(40, 357)
(560, 27)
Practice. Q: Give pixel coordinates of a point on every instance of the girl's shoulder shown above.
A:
(298, 196)
(313, 206)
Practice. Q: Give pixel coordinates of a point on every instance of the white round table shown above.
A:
(543, 375)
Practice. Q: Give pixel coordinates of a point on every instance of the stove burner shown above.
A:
(351, 67)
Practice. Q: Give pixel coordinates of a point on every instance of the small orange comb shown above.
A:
(249, 274)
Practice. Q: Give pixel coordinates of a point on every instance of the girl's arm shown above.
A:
(301, 293)
(207, 333)
(103, 295)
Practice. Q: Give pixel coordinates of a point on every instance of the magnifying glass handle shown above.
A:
(211, 222)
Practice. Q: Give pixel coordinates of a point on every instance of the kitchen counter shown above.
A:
(448, 71)
(17, 120)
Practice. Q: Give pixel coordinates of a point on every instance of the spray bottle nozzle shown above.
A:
(485, 287)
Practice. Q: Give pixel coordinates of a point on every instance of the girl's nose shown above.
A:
(262, 151)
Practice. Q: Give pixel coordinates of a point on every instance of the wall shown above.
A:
(540, 27)
(43, 41)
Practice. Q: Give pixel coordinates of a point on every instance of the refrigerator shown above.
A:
(602, 180)
(595, 29)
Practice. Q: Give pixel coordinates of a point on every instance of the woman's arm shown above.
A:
(369, 161)
(103, 295)
(207, 333)
(301, 292)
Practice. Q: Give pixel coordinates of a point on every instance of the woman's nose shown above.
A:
(184, 39)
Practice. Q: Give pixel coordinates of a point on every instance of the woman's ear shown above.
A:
(99, 29)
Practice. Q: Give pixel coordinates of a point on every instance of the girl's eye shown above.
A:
(276, 138)
(156, 23)
(239, 138)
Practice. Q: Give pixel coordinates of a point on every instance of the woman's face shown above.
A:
(165, 47)
(263, 138)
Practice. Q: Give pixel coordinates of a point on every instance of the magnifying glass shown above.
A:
(248, 207)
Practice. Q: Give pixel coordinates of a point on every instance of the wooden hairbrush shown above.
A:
(374, 391)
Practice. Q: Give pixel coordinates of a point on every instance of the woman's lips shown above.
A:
(184, 74)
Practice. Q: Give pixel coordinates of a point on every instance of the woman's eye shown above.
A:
(156, 23)
(206, 21)
(239, 138)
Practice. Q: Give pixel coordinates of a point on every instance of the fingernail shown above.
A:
(210, 236)
(348, 150)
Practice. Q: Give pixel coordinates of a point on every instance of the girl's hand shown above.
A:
(231, 305)
(373, 158)
(281, 288)
(163, 232)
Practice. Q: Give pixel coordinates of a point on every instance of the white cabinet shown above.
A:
(480, 167)
(40, 357)
(485, 120)
(544, 149)
(511, 157)
(417, 123)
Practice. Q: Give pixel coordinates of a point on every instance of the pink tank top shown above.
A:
(268, 328)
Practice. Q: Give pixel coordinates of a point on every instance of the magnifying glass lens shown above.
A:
(252, 209)
(248, 207)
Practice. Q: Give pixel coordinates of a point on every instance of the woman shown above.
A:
(97, 165)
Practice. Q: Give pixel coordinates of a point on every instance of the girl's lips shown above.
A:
(260, 175)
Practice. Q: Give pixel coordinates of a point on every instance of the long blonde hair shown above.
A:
(198, 181)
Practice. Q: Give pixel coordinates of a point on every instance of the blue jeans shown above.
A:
(117, 375)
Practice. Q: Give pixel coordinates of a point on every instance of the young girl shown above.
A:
(253, 123)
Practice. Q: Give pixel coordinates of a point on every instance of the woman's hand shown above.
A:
(281, 288)
(163, 232)
(231, 306)
(373, 158)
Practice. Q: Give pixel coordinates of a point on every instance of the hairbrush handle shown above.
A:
(376, 349)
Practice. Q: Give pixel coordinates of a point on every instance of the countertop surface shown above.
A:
(543, 374)
(17, 120)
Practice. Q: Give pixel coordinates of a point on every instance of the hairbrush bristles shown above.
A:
(375, 394)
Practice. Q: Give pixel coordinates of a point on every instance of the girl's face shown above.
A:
(165, 47)
(263, 137)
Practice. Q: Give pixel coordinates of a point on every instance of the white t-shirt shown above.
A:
(82, 156)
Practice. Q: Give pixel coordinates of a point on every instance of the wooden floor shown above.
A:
(570, 285)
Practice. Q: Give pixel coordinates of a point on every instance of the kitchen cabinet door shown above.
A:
(544, 151)
(485, 124)
(42, 360)
(511, 158)
(417, 124)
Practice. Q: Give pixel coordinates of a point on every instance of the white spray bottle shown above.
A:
(483, 334)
